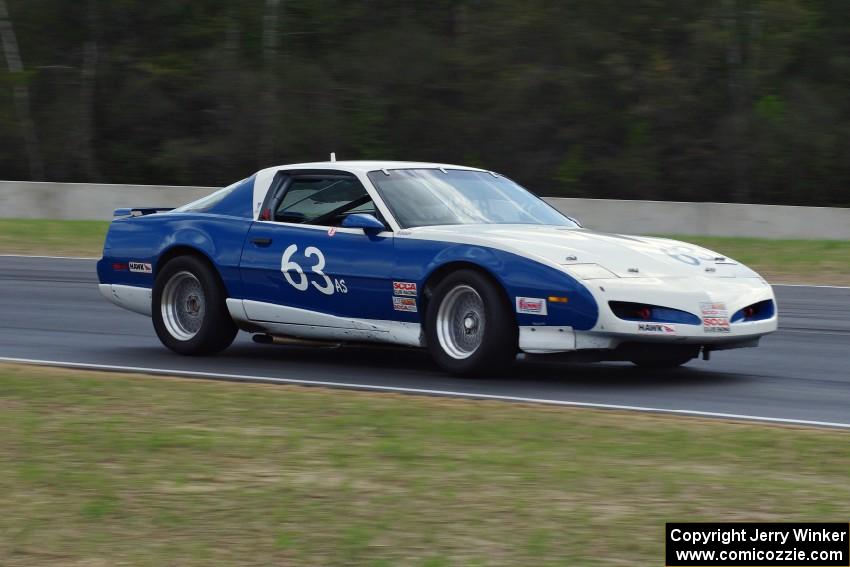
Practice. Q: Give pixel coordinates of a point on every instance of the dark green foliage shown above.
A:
(723, 100)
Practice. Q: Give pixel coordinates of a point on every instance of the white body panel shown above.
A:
(360, 169)
(282, 320)
(648, 270)
(570, 248)
(541, 340)
(274, 319)
(136, 299)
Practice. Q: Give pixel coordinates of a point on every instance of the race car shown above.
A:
(458, 260)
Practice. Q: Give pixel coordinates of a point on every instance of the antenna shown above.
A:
(333, 157)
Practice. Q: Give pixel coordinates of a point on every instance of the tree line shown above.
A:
(706, 100)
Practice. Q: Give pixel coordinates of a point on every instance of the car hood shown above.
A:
(574, 248)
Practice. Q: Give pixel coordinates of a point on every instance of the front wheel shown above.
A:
(189, 310)
(470, 327)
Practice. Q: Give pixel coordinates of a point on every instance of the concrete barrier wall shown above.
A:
(81, 201)
(708, 219)
(87, 201)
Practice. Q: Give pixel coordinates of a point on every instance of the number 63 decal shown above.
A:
(687, 255)
(287, 266)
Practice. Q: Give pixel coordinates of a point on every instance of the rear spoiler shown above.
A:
(140, 212)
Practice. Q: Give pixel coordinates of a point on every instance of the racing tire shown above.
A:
(188, 307)
(470, 327)
(663, 360)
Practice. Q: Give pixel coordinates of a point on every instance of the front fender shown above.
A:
(519, 276)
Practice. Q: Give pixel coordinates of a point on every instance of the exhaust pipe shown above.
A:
(293, 341)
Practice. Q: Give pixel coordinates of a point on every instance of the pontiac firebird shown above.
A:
(461, 261)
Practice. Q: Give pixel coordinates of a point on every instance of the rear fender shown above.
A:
(148, 240)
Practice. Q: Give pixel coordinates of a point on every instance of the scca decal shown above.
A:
(531, 305)
(404, 288)
(715, 317)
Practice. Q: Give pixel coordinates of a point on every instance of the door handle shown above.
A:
(261, 241)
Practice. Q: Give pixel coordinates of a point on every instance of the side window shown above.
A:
(204, 204)
(322, 201)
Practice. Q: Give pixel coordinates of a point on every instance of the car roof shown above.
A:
(372, 165)
(263, 178)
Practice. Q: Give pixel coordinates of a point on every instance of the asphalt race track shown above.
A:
(50, 310)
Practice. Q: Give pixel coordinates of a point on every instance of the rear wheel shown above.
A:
(470, 327)
(189, 311)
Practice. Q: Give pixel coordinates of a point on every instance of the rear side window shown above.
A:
(233, 200)
(205, 204)
(323, 201)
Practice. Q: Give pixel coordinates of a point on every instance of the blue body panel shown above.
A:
(368, 265)
(762, 311)
(521, 277)
(218, 233)
(146, 239)
(238, 202)
(359, 267)
(355, 270)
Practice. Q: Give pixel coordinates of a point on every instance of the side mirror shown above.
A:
(367, 222)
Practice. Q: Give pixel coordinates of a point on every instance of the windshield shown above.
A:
(428, 197)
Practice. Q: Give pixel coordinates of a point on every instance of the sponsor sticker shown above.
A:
(141, 267)
(715, 317)
(332, 231)
(531, 305)
(713, 309)
(404, 288)
(404, 304)
(656, 328)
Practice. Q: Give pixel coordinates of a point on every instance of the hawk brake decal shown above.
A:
(140, 267)
(656, 328)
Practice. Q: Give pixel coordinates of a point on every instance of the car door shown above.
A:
(302, 267)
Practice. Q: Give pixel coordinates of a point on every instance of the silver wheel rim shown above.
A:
(183, 306)
(461, 322)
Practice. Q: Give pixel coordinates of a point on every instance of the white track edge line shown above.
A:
(425, 391)
(810, 285)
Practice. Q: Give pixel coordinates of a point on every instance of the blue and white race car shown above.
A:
(458, 260)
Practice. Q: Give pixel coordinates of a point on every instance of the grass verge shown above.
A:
(780, 261)
(785, 261)
(52, 237)
(106, 469)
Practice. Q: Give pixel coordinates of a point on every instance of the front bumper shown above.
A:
(683, 294)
